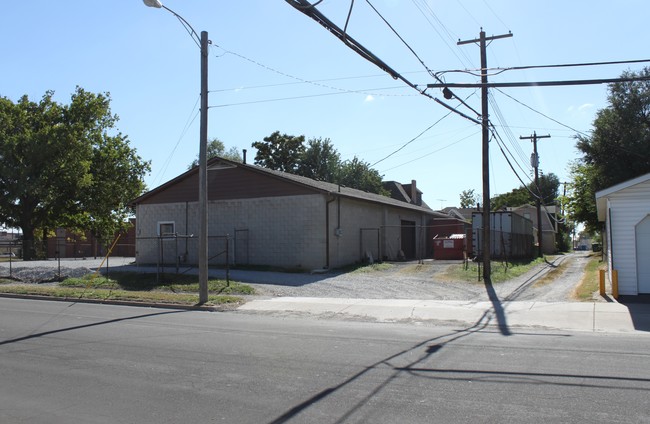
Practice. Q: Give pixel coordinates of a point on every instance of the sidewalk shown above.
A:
(572, 316)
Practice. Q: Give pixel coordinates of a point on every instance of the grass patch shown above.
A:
(590, 280)
(376, 267)
(554, 273)
(137, 287)
(501, 271)
(133, 281)
(123, 295)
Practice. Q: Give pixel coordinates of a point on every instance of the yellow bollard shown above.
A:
(615, 283)
(602, 282)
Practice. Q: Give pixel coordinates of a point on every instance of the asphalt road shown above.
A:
(79, 363)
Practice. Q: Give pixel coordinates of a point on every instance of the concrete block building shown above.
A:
(257, 216)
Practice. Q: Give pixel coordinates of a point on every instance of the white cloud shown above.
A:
(585, 107)
(369, 98)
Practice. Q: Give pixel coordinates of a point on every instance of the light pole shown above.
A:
(203, 150)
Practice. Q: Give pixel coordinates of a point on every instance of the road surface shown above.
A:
(81, 363)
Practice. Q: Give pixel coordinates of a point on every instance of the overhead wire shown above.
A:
(511, 137)
(500, 70)
(450, 38)
(411, 140)
(365, 92)
(313, 13)
(540, 113)
(430, 153)
(302, 80)
(190, 120)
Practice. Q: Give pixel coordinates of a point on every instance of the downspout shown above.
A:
(327, 231)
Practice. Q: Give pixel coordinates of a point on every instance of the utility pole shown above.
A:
(534, 161)
(487, 226)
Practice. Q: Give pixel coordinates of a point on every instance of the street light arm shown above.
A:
(190, 30)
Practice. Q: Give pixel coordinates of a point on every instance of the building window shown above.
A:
(526, 215)
(166, 228)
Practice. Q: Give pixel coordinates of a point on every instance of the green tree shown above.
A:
(216, 148)
(468, 198)
(618, 148)
(358, 174)
(60, 167)
(320, 160)
(549, 185)
(280, 152)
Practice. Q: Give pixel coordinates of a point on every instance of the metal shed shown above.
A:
(511, 235)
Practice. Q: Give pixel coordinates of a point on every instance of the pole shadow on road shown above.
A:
(77, 327)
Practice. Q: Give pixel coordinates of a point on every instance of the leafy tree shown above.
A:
(618, 148)
(280, 152)
(549, 185)
(468, 198)
(358, 174)
(60, 167)
(320, 160)
(216, 148)
(517, 197)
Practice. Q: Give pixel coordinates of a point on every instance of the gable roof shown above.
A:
(311, 184)
(602, 195)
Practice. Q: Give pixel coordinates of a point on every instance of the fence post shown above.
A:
(615, 283)
(602, 282)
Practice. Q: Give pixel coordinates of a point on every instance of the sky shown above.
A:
(271, 68)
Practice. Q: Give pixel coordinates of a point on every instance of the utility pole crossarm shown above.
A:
(478, 40)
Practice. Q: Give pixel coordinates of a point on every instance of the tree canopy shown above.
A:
(217, 148)
(318, 160)
(549, 185)
(60, 167)
(280, 152)
(618, 149)
(468, 198)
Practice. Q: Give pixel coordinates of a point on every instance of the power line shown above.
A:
(430, 153)
(306, 8)
(307, 96)
(540, 83)
(301, 80)
(499, 70)
(540, 113)
(190, 120)
(449, 37)
(509, 134)
(411, 140)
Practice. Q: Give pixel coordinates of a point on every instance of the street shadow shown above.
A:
(639, 309)
(77, 327)
(497, 307)
(431, 347)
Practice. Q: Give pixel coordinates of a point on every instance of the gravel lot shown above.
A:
(401, 281)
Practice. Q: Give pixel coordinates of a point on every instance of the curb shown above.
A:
(122, 303)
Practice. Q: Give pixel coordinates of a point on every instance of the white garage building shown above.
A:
(625, 209)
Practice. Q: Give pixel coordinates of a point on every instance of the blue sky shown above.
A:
(272, 68)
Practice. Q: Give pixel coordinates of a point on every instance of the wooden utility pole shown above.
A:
(487, 226)
(534, 161)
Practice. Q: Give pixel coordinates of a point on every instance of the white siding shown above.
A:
(628, 207)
